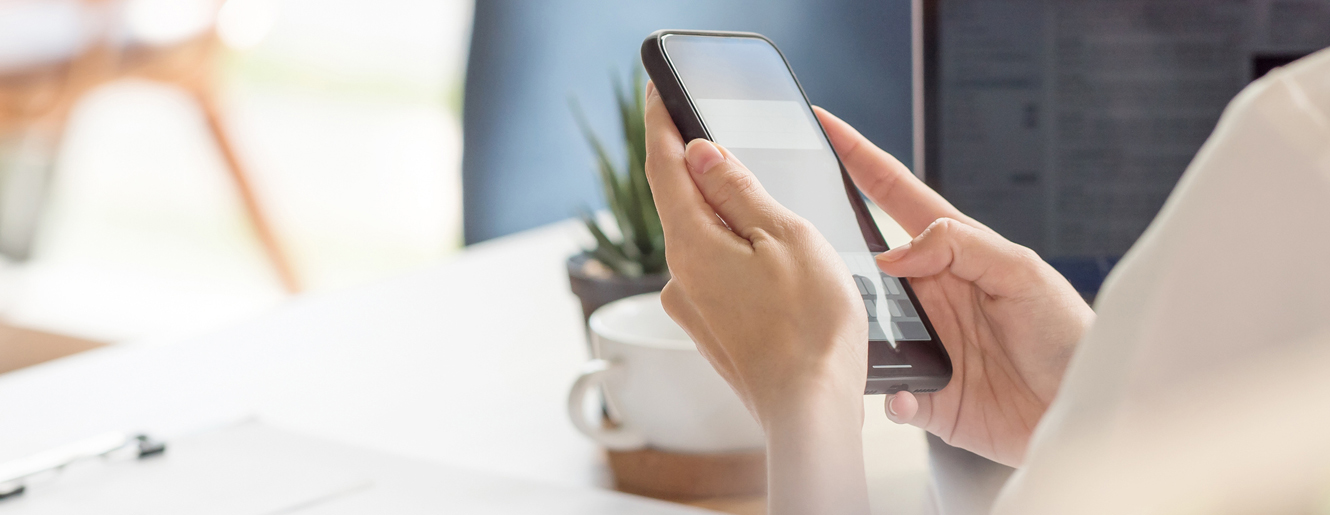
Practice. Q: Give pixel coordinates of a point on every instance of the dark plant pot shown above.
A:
(596, 290)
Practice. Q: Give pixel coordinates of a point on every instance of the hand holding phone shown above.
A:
(1009, 320)
(737, 257)
(736, 89)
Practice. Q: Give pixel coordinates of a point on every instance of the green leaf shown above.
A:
(608, 253)
(633, 130)
(627, 191)
(609, 176)
(601, 239)
(647, 235)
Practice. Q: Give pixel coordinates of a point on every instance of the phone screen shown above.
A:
(749, 102)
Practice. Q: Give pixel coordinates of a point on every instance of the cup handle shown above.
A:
(617, 438)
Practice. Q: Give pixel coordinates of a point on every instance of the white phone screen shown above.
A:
(750, 103)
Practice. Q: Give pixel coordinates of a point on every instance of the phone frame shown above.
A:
(690, 125)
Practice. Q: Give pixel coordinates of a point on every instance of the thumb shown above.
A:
(730, 188)
(997, 266)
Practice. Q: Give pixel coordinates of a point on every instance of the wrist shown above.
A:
(830, 399)
(832, 386)
(815, 453)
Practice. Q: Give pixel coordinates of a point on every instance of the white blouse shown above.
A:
(1204, 385)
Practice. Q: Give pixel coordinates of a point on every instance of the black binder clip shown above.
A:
(147, 447)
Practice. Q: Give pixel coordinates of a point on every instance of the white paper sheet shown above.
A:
(253, 469)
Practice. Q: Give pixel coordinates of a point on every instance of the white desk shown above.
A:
(466, 363)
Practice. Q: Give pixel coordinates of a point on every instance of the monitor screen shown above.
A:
(1064, 125)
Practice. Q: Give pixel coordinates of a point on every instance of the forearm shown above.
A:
(815, 459)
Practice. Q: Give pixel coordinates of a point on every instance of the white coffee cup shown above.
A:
(659, 390)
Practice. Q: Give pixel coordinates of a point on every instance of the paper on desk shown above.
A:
(246, 469)
(253, 469)
(405, 487)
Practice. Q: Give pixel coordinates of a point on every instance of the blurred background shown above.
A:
(120, 217)
(170, 166)
(852, 57)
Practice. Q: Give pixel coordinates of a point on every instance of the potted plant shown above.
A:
(631, 259)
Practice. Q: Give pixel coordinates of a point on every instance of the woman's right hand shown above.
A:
(1009, 320)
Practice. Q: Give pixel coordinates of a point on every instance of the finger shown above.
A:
(923, 411)
(901, 407)
(683, 212)
(884, 179)
(731, 189)
(998, 267)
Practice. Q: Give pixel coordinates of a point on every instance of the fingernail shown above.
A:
(891, 406)
(651, 87)
(701, 155)
(894, 254)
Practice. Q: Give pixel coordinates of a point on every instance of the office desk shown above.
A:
(466, 363)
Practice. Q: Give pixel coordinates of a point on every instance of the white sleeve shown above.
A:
(1204, 386)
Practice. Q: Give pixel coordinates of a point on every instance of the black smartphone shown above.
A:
(737, 89)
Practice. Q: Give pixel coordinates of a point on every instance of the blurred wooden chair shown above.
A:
(23, 347)
(84, 44)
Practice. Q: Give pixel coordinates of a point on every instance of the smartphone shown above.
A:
(737, 89)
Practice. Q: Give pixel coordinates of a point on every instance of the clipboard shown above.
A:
(243, 469)
(250, 468)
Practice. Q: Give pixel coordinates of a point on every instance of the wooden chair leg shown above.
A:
(271, 245)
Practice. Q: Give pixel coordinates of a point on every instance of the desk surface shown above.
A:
(466, 363)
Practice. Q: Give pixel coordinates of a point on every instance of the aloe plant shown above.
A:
(640, 249)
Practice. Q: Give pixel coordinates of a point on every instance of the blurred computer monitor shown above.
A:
(1065, 124)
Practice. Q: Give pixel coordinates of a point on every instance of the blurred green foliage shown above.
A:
(640, 248)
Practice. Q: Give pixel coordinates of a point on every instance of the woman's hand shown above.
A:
(773, 308)
(1009, 321)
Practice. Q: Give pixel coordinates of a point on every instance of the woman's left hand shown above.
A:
(763, 294)
(772, 306)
